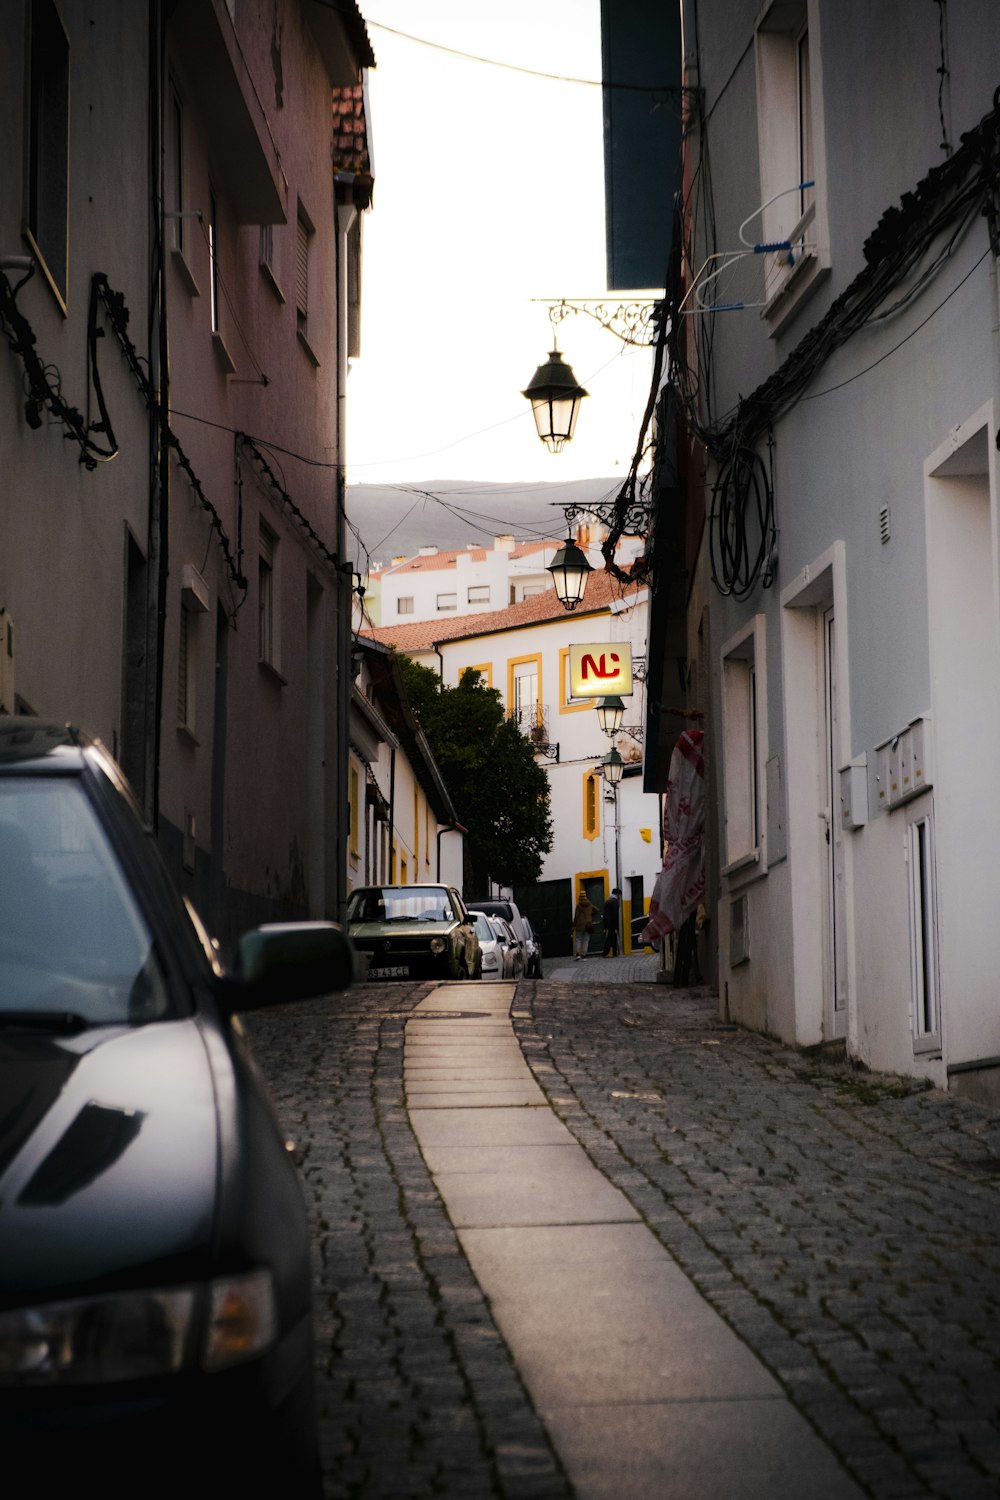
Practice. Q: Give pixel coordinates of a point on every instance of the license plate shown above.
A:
(398, 971)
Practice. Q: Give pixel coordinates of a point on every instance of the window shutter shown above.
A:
(302, 268)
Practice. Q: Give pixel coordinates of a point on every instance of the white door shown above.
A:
(836, 947)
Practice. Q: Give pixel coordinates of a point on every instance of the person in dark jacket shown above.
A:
(612, 910)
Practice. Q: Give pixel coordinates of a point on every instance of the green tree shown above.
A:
(501, 793)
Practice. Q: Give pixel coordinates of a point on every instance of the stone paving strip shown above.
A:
(418, 1395)
(644, 1389)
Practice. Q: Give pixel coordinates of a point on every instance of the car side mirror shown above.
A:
(285, 961)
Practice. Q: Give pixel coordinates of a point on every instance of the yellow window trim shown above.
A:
(591, 779)
(520, 661)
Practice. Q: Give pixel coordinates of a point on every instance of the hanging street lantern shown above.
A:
(610, 713)
(612, 767)
(555, 400)
(569, 569)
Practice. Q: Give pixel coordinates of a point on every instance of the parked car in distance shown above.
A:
(639, 925)
(493, 957)
(513, 955)
(533, 967)
(413, 932)
(510, 913)
(155, 1270)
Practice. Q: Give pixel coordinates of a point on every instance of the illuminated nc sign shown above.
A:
(598, 670)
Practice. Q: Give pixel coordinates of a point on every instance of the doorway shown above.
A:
(815, 691)
(835, 958)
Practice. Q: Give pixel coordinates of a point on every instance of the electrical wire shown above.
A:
(596, 83)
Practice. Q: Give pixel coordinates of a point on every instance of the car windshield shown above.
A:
(484, 932)
(401, 903)
(73, 944)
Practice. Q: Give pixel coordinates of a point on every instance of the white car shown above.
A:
(495, 962)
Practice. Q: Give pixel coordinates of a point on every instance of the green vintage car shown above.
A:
(413, 932)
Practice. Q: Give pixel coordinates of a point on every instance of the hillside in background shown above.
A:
(397, 520)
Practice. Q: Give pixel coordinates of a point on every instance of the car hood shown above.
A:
(109, 1155)
(380, 931)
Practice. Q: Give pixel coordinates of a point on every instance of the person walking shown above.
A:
(612, 910)
(583, 920)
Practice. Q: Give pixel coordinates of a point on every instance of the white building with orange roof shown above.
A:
(602, 838)
(475, 580)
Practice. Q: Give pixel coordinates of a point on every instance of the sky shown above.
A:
(489, 194)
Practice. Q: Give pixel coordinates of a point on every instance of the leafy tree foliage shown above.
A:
(500, 792)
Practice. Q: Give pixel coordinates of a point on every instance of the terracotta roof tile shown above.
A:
(422, 635)
(350, 130)
(437, 561)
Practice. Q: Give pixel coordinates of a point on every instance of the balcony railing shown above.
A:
(533, 722)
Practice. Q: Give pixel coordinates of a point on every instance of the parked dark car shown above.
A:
(155, 1278)
(413, 932)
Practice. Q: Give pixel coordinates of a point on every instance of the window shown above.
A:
(404, 605)
(266, 633)
(303, 251)
(741, 744)
(592, 805)
(789, 112)
(213, 260)
(524, 675)
(479, 593)
(47, 205)
(354, 809)
(174, 186)
(923, 935)
(185, 670)
(268, 257)
(447, 601)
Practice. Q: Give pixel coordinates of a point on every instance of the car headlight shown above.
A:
(438, 945)
(137, 1335)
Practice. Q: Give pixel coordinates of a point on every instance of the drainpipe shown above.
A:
(346, 214)
(159, 448)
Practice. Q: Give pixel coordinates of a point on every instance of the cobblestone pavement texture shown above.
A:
(844, 1224)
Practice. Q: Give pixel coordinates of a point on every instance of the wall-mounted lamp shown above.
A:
(555, 397)
(570, 571)
(612, 767)
(610, 713)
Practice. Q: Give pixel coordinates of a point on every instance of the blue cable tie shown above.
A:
(774, 245)
(726, 307)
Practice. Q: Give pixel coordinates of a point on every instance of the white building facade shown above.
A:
(845, 407)
(602, 839)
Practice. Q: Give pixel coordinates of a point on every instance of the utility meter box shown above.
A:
(854, 794)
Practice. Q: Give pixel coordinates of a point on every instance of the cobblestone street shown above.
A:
(844, 1225)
